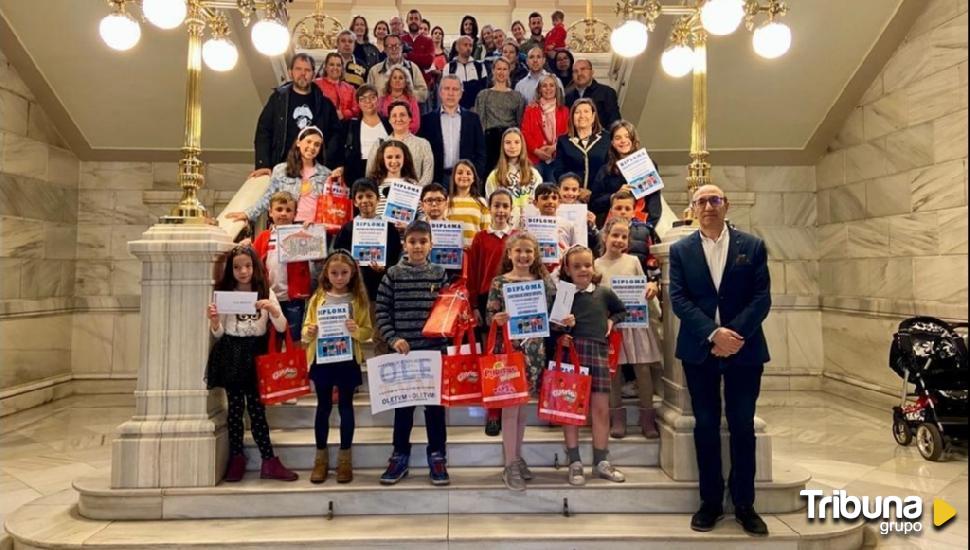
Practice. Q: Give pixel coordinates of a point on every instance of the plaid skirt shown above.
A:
(593, 355)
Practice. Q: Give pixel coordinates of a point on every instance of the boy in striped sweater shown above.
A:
(404, 301)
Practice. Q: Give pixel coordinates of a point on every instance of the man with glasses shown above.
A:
(721, 291)
(355, 73)
(378, 74)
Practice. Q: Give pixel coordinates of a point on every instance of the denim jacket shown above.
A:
(279, 181)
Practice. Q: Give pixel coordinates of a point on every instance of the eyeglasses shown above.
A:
(433, 200)
(367, 97)
(714, 201)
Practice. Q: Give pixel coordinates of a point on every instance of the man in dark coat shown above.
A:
(291, 108)
(604, 96)
(454, 134)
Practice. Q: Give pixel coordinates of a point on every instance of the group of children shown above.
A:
(390, 304)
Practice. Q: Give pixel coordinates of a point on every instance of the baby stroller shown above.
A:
(932, 355)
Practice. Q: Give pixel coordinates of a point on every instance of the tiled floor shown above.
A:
(845, 446)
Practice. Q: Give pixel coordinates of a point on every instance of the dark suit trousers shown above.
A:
(742, 384)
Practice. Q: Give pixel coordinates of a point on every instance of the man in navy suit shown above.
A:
(721, 291)
(454, 134)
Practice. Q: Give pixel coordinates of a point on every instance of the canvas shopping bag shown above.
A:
(565, 390)
(615, 342)
(461, 383)
(282, 375)
(334, 207)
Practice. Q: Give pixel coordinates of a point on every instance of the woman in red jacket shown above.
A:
(340, 93)
(543, 122)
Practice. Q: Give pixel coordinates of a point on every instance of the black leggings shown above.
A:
(345, 405)
(240, 400)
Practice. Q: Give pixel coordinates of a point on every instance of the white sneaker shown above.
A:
(606, 470)
(576, 475)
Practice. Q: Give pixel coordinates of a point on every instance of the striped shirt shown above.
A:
(404, 301)
(473, 214)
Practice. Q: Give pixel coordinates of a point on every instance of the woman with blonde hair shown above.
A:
(399, 88)
(543, 122)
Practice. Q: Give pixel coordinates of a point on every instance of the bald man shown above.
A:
(721, 292)
(584, 85)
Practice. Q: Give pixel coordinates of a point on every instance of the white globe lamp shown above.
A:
(629, 39)
(220, 54)
(721, 17)
(164, 14)
(678, 61)
(119, 31)
(772, 40)
(270, 37)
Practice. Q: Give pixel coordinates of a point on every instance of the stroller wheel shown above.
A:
(929, 440)
(901, 432)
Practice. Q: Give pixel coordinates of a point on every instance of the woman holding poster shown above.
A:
(339, 308)
(624, 141)
(520, 264)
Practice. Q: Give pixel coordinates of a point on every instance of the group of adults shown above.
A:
(452, 104)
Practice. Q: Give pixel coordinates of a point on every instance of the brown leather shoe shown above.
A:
(345, 466)
(321, 463)
(274, 469)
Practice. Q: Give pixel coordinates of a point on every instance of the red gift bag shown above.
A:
(334, 207)
(282, 375)
(461, 383)
(615, 341)
(451, 312)
(565, 391)
(503, 374)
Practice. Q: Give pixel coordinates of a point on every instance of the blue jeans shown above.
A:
(294, 311)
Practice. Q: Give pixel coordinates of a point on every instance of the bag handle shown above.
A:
(470, 332)
(287, 337)
(573, 356)
(490, 343)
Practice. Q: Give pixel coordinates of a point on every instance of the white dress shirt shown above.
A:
(716, 253)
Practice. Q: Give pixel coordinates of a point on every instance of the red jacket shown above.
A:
(421, 54)
(297, 273)
(555, 38)
(342, 95)
(484, 258)
(532, 128)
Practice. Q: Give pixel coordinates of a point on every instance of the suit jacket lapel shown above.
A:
(697, 249)
(733, 249)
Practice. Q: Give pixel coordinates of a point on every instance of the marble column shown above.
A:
(177, 436)
(675, 418)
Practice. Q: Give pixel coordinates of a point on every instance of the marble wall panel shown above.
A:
(40, 127)
(801, 278)
(13, 113)
(26, 366)
(843, 278)
(913, 234)
(10, 278)
(927, 54)
(93, 242)
(24, 156)
(776, 271)
(229, 177)
(777, 179)
(852, 132)
(126, 343)
(45, 278)
(938, 187)
(63, 168)
(866, 161)
(789, 243)
(888, 195)
(937, 95)
(884, 116)
(95, 207)
(116, 175)
(830, 170)
(730, 178)
(800, 209)
(937, 12)
(941, 279)
(910, 148)
(130, 209)
(804, 335)
(126, 278)
(120, 236)
(874, 91)
(891, 278)
(776, 334)
(10, 80)
(856, 347)
(20, 239)
(768, 210)
(91, 343)
(950, 137)
(869, 238)
(92, 278)
(847, 203)
(833, 241)
(953, 231)
(60, 241)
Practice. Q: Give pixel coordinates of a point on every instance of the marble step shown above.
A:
(472, 491)
(53, 522)
(467, 446)
(302, 413)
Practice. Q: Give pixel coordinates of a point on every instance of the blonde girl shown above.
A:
(514, 172)
(596, 309)
(340, 283)
(641, 347)
(521, 262)
(465, 204)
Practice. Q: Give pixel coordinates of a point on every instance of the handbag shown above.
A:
(282, 375)
(566, 388)
(615, 344)
(334, 207)
(451, 312)
(461, 383)
(504, 383)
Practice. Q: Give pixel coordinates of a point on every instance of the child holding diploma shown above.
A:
(520, 263)
(340, 283)
(596, 309)
(484, 260)
(232, 361)
(623, 142)
(641, 347)
(392, 161)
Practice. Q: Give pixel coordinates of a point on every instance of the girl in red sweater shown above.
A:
(484, 261)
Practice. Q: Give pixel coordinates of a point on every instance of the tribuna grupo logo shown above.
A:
(902, 515)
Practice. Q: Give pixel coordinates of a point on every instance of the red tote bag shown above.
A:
(461, 383)
(334, 207)
(565, 391)
(503, 374)
(282, 375)
(615, 344)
